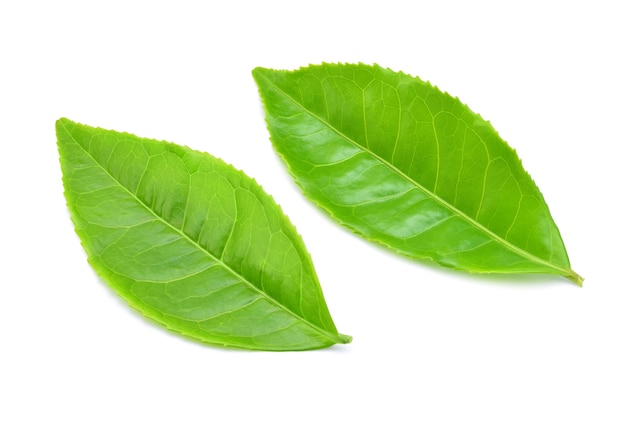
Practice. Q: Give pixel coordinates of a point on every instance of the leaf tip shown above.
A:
(60, 123)
(260, 71)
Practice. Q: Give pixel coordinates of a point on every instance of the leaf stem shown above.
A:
(574, 277)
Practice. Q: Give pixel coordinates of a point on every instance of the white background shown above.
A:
(429, 344)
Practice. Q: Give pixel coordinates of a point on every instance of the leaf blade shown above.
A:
(401, 163)
(154, 216)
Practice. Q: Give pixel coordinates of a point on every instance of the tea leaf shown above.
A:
(191, 242)
(404, 164)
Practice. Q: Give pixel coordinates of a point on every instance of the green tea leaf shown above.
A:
(400, 162)
(191, 242)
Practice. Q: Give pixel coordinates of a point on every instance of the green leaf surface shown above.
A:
(404, 164)
(191, 242)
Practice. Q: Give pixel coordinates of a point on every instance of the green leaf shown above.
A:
(191, 242)
(399, 162)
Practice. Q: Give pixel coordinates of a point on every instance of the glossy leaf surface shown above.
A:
(399, 162)
(191, 242)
